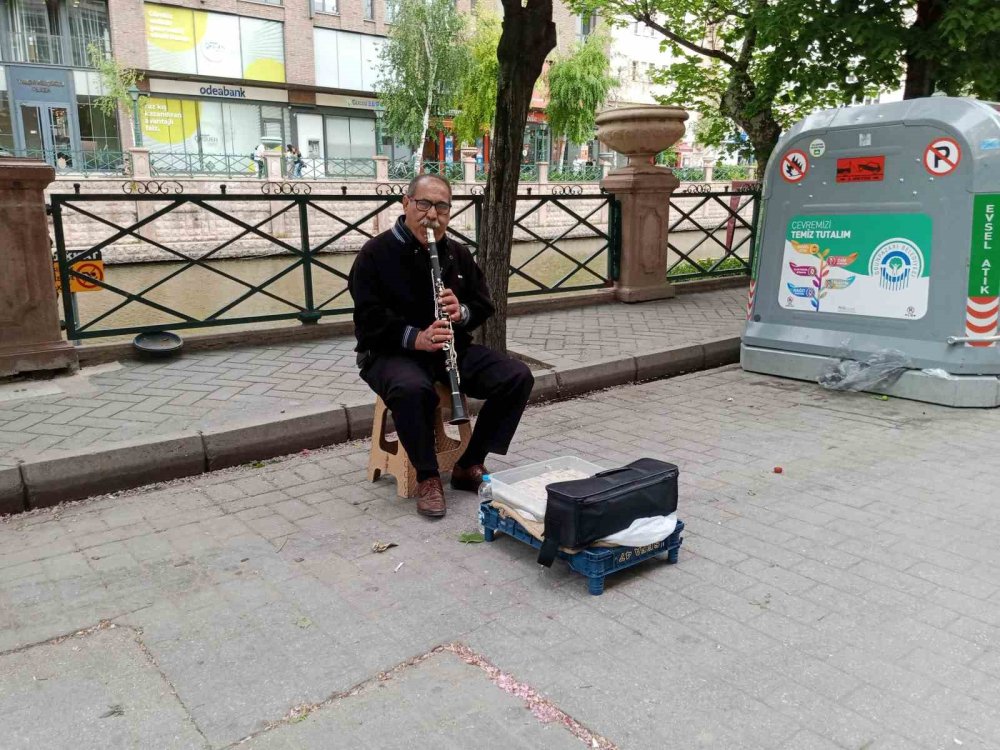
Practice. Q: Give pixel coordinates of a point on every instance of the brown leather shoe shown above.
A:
(430, 498)
(468, 479)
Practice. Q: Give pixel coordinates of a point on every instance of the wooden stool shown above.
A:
(390, 456)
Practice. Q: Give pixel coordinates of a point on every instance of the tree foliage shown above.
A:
(477, 97)
(116, 80)
(420, 65)
(762, 64)
(579, 84)
(948, 45)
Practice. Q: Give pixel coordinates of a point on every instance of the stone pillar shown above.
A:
(468, 166)
(141, 167)
(708, 164)
(272, 165)
(30, 339)
(645, 200)
(381, 168)
(543, 173)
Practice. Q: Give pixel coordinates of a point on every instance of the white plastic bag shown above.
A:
(644, 531)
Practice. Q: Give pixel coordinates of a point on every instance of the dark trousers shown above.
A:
(406, 384)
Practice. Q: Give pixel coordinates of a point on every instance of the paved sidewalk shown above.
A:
(135, 400)
(852, 601)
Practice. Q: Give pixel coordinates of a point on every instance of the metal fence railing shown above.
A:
(576, 174)
(330, 168)
(712, 234)
(689, 174)
(185, 261)
(70, 162)
(405, 169)
(190, 165)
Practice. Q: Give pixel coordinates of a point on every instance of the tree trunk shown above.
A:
(527, 38)
(921, 70)
(759, 124)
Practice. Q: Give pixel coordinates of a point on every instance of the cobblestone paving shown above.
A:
(852, 601)
(209, 388)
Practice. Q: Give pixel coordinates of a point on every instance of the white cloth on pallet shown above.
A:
(642, 532)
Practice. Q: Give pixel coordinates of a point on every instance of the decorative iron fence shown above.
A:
(215, 165)
(712, 234)
(285, 254)
(69, 162)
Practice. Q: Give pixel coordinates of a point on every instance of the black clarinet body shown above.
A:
(458, 415)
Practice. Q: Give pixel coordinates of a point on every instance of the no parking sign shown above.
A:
(941, 157)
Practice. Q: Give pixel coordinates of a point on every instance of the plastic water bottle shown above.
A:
(485, 496)
(485, 490)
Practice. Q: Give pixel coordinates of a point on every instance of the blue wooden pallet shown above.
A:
(594, 562)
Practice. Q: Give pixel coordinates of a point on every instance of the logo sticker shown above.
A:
(895, 262)
(817, 148)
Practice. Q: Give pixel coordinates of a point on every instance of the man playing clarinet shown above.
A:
(402, 340)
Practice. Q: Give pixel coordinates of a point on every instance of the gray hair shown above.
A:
(415, 182)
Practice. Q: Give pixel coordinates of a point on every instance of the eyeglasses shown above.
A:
(425, 205)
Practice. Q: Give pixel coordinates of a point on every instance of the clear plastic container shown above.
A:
(503, 483)
(485, 496)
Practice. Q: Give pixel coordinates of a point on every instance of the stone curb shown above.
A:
(51, 479)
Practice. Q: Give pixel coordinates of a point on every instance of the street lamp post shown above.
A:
(135, 93)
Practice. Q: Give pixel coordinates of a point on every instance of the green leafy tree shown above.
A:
(421, 63)
(528, 35)
(949, 46)
(762, 64)
(579, 84)
(116, 80)
(477, 97)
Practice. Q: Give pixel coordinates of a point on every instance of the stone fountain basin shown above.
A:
(641, 132)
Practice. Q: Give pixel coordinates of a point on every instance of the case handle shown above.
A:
(606, 472)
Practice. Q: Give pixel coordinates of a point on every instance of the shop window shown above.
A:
(181, 40)
(98, 131)
(88, 24)
(6, 125)
(35, 32)
(326, 6)
(362, 138)
(347, 60)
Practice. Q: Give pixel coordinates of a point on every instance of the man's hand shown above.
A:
(433, 337)
(450, 304)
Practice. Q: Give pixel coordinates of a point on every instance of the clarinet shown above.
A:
(458, 415)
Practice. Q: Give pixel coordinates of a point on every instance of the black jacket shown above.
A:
(390, 282)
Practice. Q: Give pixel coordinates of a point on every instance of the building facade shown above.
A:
(47, 83)
(220, 77)
(226, 75)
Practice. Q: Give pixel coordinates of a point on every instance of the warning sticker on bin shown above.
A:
(794, 166)
(861, 169)
(942, 156)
